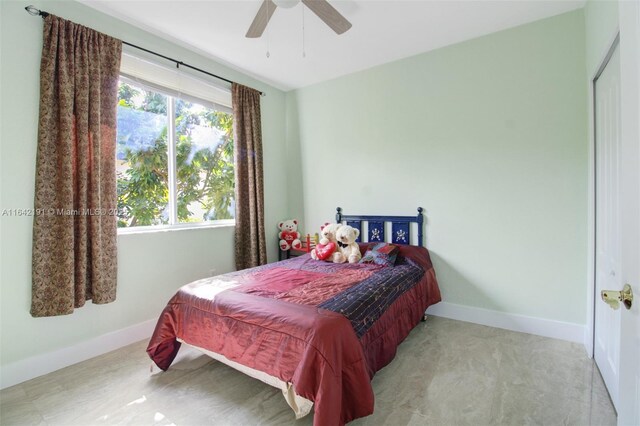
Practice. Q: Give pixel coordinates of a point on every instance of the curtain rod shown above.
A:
(33, 11)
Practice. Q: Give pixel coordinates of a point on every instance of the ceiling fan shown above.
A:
(322, 8)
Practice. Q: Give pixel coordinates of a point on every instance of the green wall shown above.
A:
(490, 137)
(151, 266)
(601, 27)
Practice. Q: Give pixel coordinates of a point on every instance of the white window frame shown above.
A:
(174, 84)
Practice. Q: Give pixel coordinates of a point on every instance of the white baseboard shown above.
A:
(23, 370)
(514, 322)
(26, 369)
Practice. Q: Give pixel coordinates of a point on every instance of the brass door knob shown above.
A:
(613, 298)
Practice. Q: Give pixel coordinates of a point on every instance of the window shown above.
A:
(174, 157)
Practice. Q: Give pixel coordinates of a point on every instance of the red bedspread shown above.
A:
(268, 319)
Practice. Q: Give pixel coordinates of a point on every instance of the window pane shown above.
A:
(141, 157)
(204, 163)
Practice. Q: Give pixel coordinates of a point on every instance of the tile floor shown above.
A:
(445, 373)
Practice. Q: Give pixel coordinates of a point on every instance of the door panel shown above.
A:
(629, 389)
(608, 243)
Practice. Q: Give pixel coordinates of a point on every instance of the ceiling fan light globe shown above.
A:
(287, 4)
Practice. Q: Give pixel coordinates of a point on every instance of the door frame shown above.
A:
(592, 298)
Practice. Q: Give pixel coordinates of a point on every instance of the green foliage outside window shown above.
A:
(204, 171)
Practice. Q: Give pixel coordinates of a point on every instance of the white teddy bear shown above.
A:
(289, 235)
(347, 246)
(327, 248)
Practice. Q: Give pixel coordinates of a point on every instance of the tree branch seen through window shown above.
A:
(202, 141)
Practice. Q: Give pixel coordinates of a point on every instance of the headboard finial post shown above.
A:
(338, 214)
(420, 226)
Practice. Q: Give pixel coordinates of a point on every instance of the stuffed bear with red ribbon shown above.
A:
(289, 235)
(326, 249)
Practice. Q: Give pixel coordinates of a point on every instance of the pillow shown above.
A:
(381, 254)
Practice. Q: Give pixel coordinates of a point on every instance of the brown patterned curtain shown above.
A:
(74, 231)
(251, 248)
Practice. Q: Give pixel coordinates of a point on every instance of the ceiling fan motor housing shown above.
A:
(323, 10)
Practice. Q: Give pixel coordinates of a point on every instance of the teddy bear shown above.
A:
(326, 247)
(347, 246)
(289, 235)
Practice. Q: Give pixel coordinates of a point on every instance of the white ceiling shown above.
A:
(383, 31)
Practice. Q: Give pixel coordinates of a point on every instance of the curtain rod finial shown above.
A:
(34, 11)
(31, 10)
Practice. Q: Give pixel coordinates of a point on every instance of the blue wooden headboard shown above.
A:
(400, 226)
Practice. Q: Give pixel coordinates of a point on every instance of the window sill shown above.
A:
(179, 227)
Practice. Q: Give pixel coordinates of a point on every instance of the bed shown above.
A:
(319, 331)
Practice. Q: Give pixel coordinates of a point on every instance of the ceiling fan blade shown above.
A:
(329, 15)
(262, 19)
